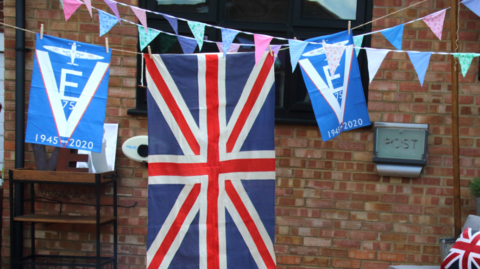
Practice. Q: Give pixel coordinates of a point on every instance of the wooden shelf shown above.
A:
(60, 176)
(63, 219)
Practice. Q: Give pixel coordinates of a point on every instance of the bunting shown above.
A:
(296, 49)
(228, 36)
(435, 22)
(334, 55)
(88, 3)
(465, 60)
(261, 43)
(473, 5)
(198, 30)
(232, 48)
(69, 7)
(375, 59)
(357, 41)
(394, 35)
(420, 61)
(113, 6)
(173, 22)
(142, 17)
(107, 21)
(275, 49)
(188, 44)
(146, 38)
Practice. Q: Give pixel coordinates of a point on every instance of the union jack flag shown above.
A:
(465, 253)
(211, 161)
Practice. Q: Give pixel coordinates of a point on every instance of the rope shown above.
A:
(389, 14)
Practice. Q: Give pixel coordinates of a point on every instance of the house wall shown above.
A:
(332, 209)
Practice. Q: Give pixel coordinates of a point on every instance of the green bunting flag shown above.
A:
(357, 41)
(145, 38)
(198, 30)
(465, 60)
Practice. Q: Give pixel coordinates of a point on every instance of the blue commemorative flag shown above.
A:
(338, 101)
(68, 95)
(211, 163)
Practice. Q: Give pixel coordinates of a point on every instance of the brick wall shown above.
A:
(333, 210)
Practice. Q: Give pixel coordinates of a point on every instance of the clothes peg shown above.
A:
(270, 49)
(106, 44)
(349, 26)
(41, 31)
(150, 52)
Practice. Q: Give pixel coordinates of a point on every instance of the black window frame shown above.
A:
(291, 111)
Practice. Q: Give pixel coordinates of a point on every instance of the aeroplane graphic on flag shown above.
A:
(73, 53)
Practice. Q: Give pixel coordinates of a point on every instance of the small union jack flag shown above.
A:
(465, 253)
(211, 161)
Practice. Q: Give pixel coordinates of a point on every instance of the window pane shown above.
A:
(331, 9)
(256, 10)
(197, 6)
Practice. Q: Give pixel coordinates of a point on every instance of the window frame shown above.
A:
(291, 111)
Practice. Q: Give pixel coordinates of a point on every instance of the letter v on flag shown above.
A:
(70, 114)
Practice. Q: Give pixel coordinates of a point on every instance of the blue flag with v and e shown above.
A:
(338, 101)
(68, 94)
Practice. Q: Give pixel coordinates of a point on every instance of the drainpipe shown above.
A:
(16, 235)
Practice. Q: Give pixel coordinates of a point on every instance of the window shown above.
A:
(283, 18)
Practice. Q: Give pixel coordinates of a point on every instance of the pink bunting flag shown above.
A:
(88, 3)
(142, 16)
(69, 7)
(334, 55)
(232, 48)
(113, 6)
(435, 22)
(261, 43)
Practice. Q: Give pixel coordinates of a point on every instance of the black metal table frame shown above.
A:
(100, 261)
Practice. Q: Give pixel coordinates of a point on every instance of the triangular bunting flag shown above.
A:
(228, 35)
(357, 41)
(198, 30)
(420, 61)
(113, 7)
(435, 22)
(465, 60)
(69, 7)
(107, 21)
(375, 58)
(188, 44)
(173, 22)
(394, 35)
(473, 5)
(88, 3)
(275, 49)
(145, 39)
(233, 47)
(142, 17)
(261, 43)
(296, 50)
(334, 54)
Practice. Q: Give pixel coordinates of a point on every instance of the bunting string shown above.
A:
(390, 14)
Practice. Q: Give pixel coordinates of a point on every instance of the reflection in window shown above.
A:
(197, 6)
(331, 9)
(256, 10)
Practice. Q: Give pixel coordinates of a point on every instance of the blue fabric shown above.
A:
(338, 101)
(228, 36)
(65, 111)
(394, 35)
(173, 22)
(473, 5)
(296, 50)
(188, 44)
(107, 21)
(420, 61)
